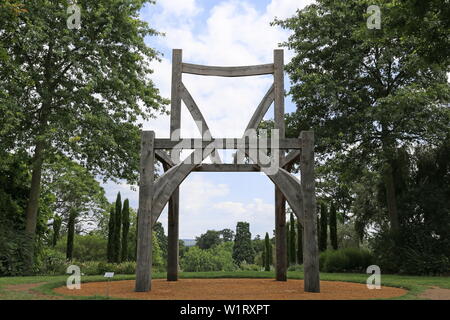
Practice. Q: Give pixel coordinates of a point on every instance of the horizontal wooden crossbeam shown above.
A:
(226, 167)
(224, 143)
(243, 71)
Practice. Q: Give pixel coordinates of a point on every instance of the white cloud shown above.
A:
(180, 7)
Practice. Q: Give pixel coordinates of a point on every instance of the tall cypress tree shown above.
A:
(333, 227)
(243, 249)
(299, 243)
(111, 234)
(267, 253)
(292, 255)
(70, 234)
(118, 227)
(56, 229)
(125, 229)
(323, 227)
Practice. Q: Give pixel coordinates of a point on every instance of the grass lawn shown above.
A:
(414, 284)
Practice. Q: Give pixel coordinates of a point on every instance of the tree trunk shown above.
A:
(391, 197)
(33, 200)
(70, 234)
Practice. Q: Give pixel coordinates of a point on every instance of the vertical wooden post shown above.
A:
(280, 201)
(173, 209)
(144, 245)
(310, 247)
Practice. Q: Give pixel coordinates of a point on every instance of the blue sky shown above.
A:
(226, 32)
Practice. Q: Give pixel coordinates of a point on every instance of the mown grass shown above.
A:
(414, 284)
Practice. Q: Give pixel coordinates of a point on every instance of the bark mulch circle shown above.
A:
(233, 289)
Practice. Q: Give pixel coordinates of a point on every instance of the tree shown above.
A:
(162, 239)
(227, 235)
(56, 229)
(299, 243)
(79, 198)
(209, 239)
(333, 227)
(243, 249)
(77, 91)
(358, 87)
(267, 253)
(323, 236)
(117, 228)
(292, 251)
(125, 229)
(111, 234)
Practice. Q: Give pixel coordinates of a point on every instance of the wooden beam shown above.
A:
(290, 158)
(175, 125)
(261, 110)
(280, 200)
(310, 247)
(222, 143)
(226, 167)
(164, 158)
(243, 71)
(280, 236)
(144, 244)
(199, 119)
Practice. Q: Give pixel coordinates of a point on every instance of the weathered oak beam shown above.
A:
(261, 110)
(163, 157)
(280, 200)
(226, 167)
(310, 247)
(173, 209)
(198, 118)
(146, 187)
(290, 158)
(242, 71)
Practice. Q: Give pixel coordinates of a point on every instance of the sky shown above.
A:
(221, 33)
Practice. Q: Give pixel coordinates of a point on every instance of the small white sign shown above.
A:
(109, 274)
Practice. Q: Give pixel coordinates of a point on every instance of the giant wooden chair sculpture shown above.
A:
(154, 195)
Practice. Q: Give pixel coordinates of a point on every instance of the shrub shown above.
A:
(218, 258)
(345, 260)
(51, 262)
(249, 267)
(295, 267)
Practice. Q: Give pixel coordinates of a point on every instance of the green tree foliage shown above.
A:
(227, 235)
(267, 253)
(217, 258)
(157, 259)
(89, 247)
(125, 229)
(117, 228)
(422, 245)
(292, 242)
(243, 249)
(359, 87)
(333, 226)
(79, 197)
(65, 88)
(209, 239)
(299, 243)
(111, 234)
(56, 229)
(323, 235)
(162, 238)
